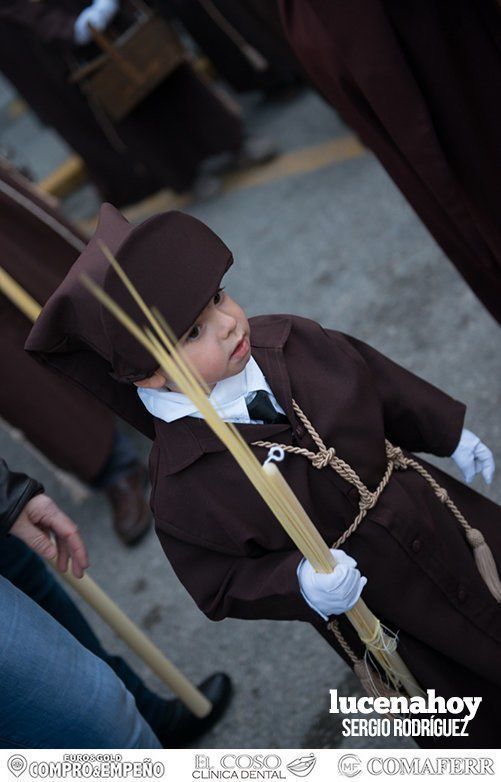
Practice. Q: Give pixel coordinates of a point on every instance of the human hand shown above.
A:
(331, 593)
(472, 457)
(99, 15)
(39, 518)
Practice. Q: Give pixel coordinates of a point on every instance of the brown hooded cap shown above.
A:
(175, 262)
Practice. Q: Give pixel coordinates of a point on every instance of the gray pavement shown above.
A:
(338, 244)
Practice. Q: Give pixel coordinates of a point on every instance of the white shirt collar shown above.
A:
(228, 397)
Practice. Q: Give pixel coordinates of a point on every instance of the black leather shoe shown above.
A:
(131, 514)
(181, 727)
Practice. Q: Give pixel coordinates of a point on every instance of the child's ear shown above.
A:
(157, 380)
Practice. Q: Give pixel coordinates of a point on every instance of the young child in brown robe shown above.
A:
(308, 387)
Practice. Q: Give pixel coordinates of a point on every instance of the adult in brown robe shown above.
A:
(160, 144)
(75, 432)
(420, 82)
(223, 542)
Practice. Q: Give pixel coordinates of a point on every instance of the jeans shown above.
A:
(53, 691)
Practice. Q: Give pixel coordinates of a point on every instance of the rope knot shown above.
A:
(442, 494)
(323, 458)
(368, 500)
(474, 537)
(395, 455)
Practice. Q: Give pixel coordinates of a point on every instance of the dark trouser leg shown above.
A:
(28, 573)
(123, 459)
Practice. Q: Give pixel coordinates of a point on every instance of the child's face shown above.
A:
(217, 344)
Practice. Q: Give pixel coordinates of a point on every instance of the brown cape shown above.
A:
(420, 82)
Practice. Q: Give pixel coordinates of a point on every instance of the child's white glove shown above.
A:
(472, 457)
(99, 15)
(331, 593)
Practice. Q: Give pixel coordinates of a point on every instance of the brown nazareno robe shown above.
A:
(420, 82)
(224, 544)
(160, 144)
(235, 559)
(73, 430)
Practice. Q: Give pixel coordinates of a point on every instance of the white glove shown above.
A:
(331, 593)
(99, 15)
(472, 457)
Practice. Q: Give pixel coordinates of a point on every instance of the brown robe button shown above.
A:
(462, 594)
(416, 545)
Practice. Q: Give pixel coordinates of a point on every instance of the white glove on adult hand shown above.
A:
(472, 457)
(331, 593)
(99, 15)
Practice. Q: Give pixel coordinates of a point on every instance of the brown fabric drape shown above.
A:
(420, 82)
(68, 426)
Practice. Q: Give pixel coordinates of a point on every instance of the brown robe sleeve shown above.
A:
(53, 25)
(418, 416)
(224, 585)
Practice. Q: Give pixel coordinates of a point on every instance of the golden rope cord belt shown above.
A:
(326, 457)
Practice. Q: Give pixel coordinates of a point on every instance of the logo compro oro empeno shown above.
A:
(17, 764)
(302, 766)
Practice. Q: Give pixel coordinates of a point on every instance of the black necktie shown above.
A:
(261, 409)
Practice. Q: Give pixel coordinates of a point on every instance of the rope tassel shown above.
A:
(485, 562)
(368, 676)
(484, 558)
